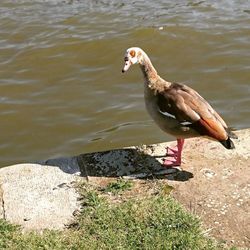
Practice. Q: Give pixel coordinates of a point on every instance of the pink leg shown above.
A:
(171, 151)
(174, 154)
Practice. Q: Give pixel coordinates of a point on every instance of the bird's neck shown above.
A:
(148, 70)
(151, 78)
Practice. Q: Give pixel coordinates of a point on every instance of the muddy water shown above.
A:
(61, 87)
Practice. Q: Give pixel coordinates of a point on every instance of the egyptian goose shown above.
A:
(177, 109)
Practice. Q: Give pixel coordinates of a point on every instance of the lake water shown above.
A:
(62, 92)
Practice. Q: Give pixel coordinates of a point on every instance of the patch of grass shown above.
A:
(12, 238)
(155, 222)
(6, 232)
(118, 186)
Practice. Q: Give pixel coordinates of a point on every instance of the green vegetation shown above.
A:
(153, 222)
(118, 186)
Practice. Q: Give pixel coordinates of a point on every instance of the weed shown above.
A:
(118, 186)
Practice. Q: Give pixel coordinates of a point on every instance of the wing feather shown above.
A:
(187, 105)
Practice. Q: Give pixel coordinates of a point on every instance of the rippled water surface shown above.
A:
(61, 88)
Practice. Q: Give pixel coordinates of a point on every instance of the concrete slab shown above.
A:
(37, 197)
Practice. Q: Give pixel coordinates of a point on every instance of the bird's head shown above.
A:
(132, 56)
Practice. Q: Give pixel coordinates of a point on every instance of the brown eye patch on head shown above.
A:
(132, 53)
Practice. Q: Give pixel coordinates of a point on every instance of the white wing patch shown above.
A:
(167, 114)
(185, 123)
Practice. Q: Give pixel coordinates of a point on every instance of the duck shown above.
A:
(177, 109)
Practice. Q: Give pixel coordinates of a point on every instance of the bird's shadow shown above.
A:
(129, 162)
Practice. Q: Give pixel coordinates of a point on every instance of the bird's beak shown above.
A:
(126, 66)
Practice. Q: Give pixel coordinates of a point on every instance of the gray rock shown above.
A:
(37, 197)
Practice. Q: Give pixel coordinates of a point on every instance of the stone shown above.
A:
(37, 197)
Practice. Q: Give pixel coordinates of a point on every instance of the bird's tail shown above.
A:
(231, 134)
(228, 143)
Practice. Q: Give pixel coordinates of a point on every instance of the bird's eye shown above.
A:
(132, 53)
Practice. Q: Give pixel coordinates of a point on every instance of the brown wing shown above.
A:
(187, 105)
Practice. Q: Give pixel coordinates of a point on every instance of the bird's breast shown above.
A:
(151, 102)
(168, 123)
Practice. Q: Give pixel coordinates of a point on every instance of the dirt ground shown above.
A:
(213, 183)
(219, 193)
